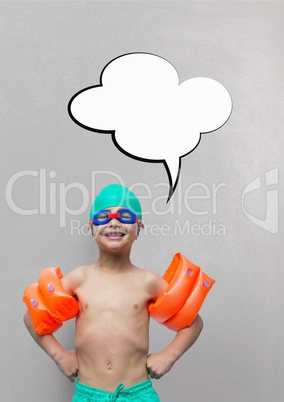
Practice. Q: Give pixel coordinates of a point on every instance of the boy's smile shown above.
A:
(114, 234)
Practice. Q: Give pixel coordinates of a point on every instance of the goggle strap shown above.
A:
(140, 224)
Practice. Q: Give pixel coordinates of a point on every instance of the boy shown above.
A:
(112, 328)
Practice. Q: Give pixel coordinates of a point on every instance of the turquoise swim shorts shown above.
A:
(142, 392)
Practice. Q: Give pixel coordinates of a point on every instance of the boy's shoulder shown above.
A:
(73, 279)
(154, 283)
(79, 272)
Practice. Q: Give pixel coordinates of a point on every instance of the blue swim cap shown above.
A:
(116, 195)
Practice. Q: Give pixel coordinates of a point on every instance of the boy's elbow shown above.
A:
(199, 323)
(27, 320)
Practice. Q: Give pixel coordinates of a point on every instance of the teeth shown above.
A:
(114, 234)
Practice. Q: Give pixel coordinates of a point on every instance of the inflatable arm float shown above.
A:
(48, 303)
(180, 303)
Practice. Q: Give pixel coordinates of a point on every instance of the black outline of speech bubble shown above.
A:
(112, 132)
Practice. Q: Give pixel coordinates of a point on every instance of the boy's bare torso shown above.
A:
(112, 329)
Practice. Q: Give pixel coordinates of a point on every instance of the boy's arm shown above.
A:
(66, 360)
(160, 363)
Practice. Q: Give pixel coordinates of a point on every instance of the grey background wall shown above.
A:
(49, 51)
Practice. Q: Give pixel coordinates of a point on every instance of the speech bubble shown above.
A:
(150, 116)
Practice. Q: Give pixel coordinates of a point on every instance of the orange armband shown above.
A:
(180, 303)
(61, 304)
(42, 320)
(48, 303)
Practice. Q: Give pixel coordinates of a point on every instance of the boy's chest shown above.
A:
(113, 295)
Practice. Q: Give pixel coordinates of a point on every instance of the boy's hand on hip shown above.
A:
(68, 364)
(157, 365)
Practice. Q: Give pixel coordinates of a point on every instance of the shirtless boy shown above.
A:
(112, 328)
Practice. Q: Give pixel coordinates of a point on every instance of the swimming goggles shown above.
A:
(123, 215)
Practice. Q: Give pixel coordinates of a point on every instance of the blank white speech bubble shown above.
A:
(150, 116)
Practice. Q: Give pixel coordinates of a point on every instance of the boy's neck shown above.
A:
(114, 262)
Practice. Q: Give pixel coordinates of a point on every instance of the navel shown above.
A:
(86, 305)
(109, 366)
(135, 306)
